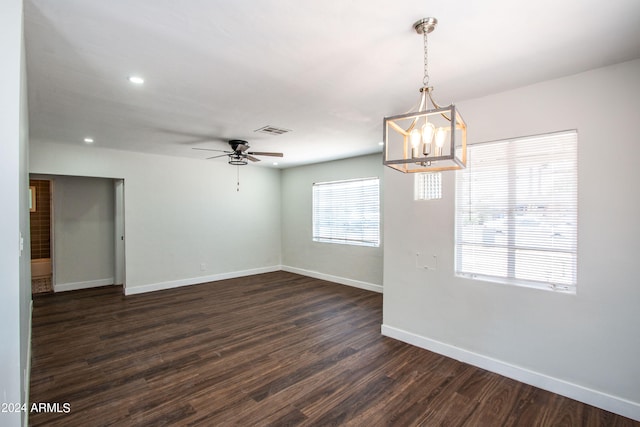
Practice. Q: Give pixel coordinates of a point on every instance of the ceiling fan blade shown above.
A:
(194, 137)
(262, 153)
(253, 159)
(211, 149)
(215, 157)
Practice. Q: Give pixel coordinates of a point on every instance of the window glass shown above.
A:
(347, 212)
(517, 212)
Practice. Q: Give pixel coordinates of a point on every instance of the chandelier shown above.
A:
(429, 137)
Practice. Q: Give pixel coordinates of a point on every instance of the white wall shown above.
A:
(353, 265)
(84, 245)
(585, 345)
(181, 213)
(15, 275)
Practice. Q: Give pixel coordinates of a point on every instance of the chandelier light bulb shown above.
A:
(414, 137)
(428, 129)
(427, 136)
(441, 135)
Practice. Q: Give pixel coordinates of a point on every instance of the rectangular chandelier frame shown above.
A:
(401, 155)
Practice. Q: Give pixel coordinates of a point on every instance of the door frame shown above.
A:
(119, 275)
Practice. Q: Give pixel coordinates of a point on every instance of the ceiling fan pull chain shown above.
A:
(238, 177)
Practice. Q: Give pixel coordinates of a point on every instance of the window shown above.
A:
(517, 212)
(347, 212)
(428, 186)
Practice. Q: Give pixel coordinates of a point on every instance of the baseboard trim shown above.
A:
(82, 285)
(589, 396)
(335, 279)
(197, 280)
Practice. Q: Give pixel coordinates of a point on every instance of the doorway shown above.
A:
(77, 234)
(41, 214)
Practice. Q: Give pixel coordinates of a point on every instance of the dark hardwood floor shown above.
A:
(273, 349)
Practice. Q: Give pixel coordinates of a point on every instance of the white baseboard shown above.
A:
(335, 279)
(82, 285)
(232, 275)
(197, 280)
(595, 398)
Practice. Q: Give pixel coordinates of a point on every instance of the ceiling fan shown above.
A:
(239, 156)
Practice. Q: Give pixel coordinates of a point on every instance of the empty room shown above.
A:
(256, 213)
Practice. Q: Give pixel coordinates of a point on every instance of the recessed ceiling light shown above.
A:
(380, 143)
(275, 163)
(136, 80)
(88, 140)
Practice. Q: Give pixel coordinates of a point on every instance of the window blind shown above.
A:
(347, 212)
(517, 212)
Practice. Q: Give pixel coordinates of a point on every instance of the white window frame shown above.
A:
(517, 212)
(347, 212)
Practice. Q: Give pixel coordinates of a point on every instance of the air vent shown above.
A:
(272, 130)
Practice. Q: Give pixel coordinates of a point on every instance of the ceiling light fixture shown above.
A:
(429, 137)
(88, 140)
(238, 160)
(136, 80)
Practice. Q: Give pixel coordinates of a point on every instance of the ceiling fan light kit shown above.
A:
(238, 160)
(239, 156)
(429, 137)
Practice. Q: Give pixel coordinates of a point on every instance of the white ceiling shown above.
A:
(327, 70)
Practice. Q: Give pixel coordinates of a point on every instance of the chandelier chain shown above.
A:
(425, 80)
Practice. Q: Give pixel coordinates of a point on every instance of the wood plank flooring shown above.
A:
(272, 349)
